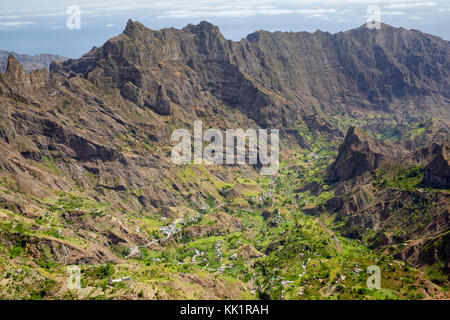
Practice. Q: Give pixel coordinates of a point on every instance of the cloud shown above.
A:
(316, 11)
(317, 15)
(55, 13)
(48, 14)
(177, 14)
(109, 25)
(410, 5)
(392, 13)
(10, 17)
(102, 6)
(204, 9)
(13, 24)
(227, 11)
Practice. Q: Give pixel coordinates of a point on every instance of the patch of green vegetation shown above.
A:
(53, 232)
(51, 164)
(435, 273)
(104, 271)
(15, 251)
(43, 290)
(120, 250)
(399, 177)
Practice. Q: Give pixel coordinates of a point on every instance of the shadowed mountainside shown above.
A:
(272, 76)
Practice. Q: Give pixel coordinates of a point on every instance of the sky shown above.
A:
(54, 26)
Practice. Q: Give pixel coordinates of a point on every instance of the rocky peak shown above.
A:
(134, 28)
(17, 82)
(15, 70)
(257, 36)
(203, 26)
(360, 153)
(437, 172)
(357, 137)
(382, 26)
(208, 38)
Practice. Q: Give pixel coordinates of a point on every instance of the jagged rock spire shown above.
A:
(14, 69)
(132, 27)
(129, 27)
(437, 172)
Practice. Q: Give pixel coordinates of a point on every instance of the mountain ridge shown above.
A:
(334, 77)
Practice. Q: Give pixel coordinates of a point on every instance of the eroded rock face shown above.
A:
(162, 105)
(317, 124)
(272, 76)
(16, 82)
(131, 92)
(14, 70)
(360, 153)
(437, 172)
(426, 252)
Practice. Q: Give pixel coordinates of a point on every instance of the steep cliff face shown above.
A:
(271, 76)
(358, 69)
(361, 153)
(175, 68)
(437, 172)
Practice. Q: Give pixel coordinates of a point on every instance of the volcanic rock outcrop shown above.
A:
(437, 172)
(361, 153)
